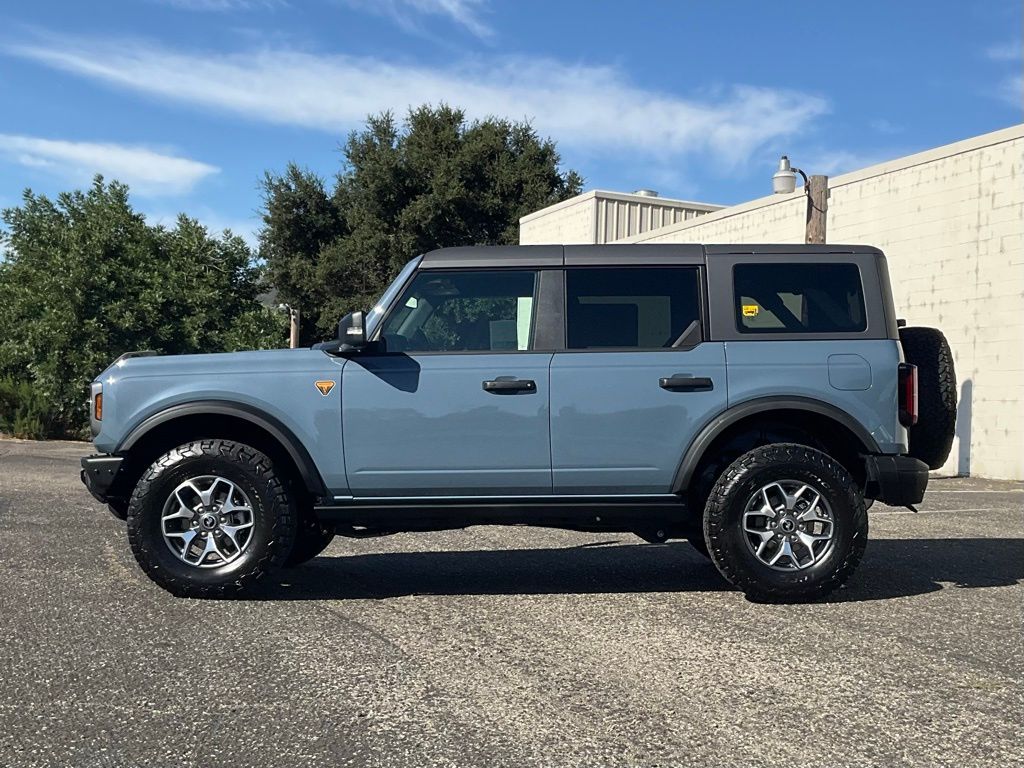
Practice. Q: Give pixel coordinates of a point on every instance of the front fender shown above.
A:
(276, 389)
(282, 434)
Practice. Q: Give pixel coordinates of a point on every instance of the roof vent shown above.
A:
(646, 193)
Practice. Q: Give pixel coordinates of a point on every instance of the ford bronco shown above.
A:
(747, 398)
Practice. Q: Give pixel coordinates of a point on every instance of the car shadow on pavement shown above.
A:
(906, 567)
(891, 568)
(607, 567)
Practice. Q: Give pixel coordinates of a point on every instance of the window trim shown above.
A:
(721, 316)
(702, 304)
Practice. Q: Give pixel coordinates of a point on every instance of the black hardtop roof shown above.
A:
(612, 254)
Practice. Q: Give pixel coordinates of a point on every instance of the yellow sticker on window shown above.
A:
(750, 310)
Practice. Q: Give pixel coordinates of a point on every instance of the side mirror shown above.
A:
(352, 331)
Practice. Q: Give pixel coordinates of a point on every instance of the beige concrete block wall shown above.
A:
(768, 220)
(572, 222)
(951, 221)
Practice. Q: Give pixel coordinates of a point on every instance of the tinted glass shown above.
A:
(639, 307)
(799, 298)
(463, 312)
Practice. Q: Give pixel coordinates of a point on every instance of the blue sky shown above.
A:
(190, 101)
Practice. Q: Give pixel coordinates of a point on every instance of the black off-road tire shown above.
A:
(273, 512)
(311, 539)
(931, 439)
(726, 541)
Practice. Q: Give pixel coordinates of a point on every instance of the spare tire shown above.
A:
(932, 437)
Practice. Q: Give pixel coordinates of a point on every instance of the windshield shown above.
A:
(374, 315)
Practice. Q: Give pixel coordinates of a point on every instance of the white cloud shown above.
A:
(147, 172)
(1011, 51)
(465, 13)
(1010, 88)
(833, 163)
(594, 108)
(215, 223)
(887, 127)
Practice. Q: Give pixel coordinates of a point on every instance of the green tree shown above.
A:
(85, 279)
(436, 180)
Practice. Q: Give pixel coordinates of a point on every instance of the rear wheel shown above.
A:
(785, 523)
(208, 518)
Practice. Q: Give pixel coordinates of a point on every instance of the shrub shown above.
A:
(84, 278)
(24, 410)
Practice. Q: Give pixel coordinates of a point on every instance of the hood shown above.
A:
(149, 363)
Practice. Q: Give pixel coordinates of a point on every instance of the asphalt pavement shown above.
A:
(507, 647)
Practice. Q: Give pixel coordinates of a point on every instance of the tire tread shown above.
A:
(282, 535)
(716, 521)
(931, 439)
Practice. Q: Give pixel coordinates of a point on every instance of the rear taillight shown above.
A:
(908, 394)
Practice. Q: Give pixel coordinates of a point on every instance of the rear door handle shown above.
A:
(509, 386)
(679, 383)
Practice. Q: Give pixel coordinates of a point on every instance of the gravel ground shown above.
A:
(507, 647)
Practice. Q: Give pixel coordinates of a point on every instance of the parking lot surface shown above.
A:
(507, 647)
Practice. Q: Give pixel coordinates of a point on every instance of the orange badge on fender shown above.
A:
(325, 387)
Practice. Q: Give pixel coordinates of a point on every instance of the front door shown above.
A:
(458, 403)
(636, 381)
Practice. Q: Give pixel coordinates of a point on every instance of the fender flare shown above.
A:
(293, 446)
(717, 425)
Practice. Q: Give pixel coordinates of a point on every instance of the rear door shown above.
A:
(809, 324)
(636, 380)
(458, 405)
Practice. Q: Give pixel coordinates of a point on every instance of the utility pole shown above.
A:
(817, 209)
(293, 316)
(816, 192)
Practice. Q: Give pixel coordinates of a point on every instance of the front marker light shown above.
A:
(96, 408)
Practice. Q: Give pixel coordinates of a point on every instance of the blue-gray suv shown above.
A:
(747, 398)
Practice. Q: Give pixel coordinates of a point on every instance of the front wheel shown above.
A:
(786, 523)
(209, 517)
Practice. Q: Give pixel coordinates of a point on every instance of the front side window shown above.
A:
(632, 307)
(799, 298)
(484, 311)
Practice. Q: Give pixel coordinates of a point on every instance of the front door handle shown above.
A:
(509, 386)
(679, 383)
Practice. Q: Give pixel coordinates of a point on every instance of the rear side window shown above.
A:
(799, 298)
(639, 307)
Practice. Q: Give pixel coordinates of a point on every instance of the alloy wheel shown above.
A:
(207, 521)
(788, 525)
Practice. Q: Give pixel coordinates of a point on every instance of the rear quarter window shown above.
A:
(799, 298)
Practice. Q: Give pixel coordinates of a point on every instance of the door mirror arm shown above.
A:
(351, 337)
